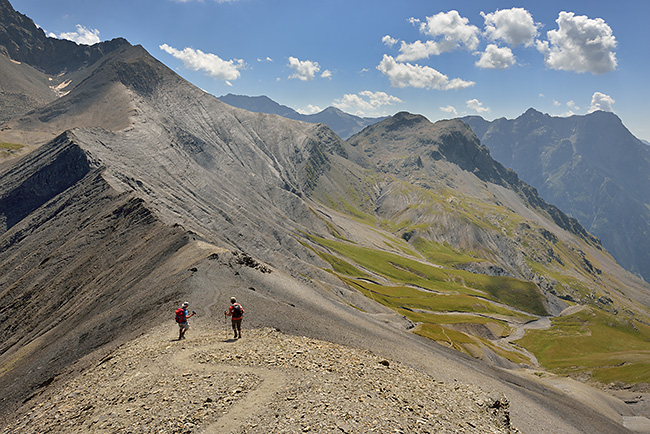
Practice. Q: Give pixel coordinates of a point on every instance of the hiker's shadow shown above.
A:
(230, 340)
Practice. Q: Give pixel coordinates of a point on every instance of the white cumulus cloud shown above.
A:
(327, 74)
(211, 64)
(449, 31)
(600, 101)
(424, 77)
(449, 109)
(496, 58)
(310, 110)
(422, 50)
(305, 70)
(580, 44)
(389, 40)
(83, 35)
(451, 26)
(365, 103)
(476, 106)
(513, 26)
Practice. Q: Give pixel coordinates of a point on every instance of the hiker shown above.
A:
(181, 319)
(236, 312)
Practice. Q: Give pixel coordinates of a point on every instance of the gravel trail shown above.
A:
(267, 382)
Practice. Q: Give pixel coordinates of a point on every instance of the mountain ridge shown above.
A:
(343, 124)
(36, 69)
(50, 55)
(456, 144)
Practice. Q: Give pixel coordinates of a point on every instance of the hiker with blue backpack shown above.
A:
(236, 312)
(181, 318)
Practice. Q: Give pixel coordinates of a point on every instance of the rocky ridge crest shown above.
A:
(266, 382)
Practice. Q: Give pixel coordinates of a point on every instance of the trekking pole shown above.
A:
(225, 324)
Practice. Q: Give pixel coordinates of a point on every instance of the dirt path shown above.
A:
(520, 331)
(273, 381)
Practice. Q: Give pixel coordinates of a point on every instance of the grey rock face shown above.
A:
(22, 41)
(40, 178)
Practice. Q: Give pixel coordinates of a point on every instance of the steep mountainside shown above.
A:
(220, 170)
(22, 88)
(343, 124)
(22, 41)
(151, 192)
(387, 144)
(36, 69)
(437, 183)
(590, 166)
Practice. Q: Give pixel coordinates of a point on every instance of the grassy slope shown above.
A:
(431, 296)
(453, 306)
(596, 344)
(7, 149)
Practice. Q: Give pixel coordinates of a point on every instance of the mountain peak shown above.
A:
(602, 115)
(590, 166)
(405, 120)
(403, 115)
(533, 113)
(24, 41)
(260, 104)
(331, 109)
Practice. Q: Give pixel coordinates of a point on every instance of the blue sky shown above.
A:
(438, 58)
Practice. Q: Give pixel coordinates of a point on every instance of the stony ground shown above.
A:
(266, 382)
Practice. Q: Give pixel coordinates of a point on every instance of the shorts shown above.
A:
(236, 324)
(183, 325)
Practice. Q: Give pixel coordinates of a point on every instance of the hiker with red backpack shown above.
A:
(236, 312)
(181, 318)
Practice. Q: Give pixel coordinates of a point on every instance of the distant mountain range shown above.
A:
(343, 124)
(590, 166)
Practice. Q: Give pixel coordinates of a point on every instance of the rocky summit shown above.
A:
(397, 281)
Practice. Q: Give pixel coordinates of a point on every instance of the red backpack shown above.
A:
(180, 315)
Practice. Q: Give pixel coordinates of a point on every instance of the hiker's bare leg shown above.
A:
(236, 326)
